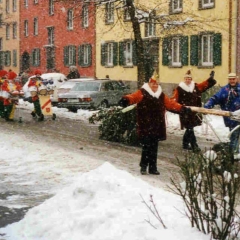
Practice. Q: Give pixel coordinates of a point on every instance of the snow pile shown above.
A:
(105, 204)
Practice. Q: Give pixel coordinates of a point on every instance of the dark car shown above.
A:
(93, 94)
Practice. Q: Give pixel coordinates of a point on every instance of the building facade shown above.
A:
(56, 35)
(9, 35)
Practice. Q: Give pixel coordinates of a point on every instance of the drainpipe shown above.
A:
(230, 38)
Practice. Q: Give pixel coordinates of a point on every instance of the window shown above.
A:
(7, 6)
(7, 58)
(176, 6)
(8, 31)
(85, 15)
(51, 7)
(150, 27)
(70, 55)
(14, 5)
(1, 20)
(109, 54)
(25, 3)
(70, 19)
(14, 30)
(26, 28)
(1, 44)
(35, 26)
(50, 35)
(85, 55)
(175, 51)
(15, 58)
(206, 4)
(206, 49)
(127, 53)
(36, 57)
(109, 12)
(126, 12)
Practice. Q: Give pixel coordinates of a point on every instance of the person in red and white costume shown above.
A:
(152, 104)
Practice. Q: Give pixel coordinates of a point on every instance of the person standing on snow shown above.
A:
(228, 98)
(152, 104)
(10, 92)
(189, 93)
(36, 82)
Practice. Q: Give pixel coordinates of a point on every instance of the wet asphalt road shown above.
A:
(68, 134)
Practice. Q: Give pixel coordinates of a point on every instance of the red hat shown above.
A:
(11, 75)
(38, 72)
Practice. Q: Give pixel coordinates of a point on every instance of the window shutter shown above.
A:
(80, 55)
(115, 53)
(39, 56)
(217, 49)
(32, 57)
(165, 52)
(146, 27)
(103, 54)
(7, 58)
(200, 4)
(170, 6)
(194, 50)
(2, 58)
(90, 54)
(134, 52)
(74, 54)
(121, 54)
(65, 56)
(184, 50)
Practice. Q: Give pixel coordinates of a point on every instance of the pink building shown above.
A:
(54, 36)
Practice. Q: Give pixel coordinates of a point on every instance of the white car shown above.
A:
(52, 81)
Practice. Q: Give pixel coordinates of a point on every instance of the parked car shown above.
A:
(93, 94)
(52, 82)
(67, 86)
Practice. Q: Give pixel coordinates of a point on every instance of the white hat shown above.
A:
(232, 75)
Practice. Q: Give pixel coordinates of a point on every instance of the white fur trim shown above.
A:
(187, 88)
(149, 90)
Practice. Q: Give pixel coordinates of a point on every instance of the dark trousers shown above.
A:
(189, 138)
(149, 153)
(234, 140)
(37, 107)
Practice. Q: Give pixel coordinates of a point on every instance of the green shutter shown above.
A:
(121, 53)
(2, 58)
(74, 54)
(134, 52)
(170, 6)
(103, 54)
(65, 56)
(165, 52)
(32, 57)
(79, 56)
(217, 49)
(146, 27)
(184, 50)
(39, 56)
(90, 54)
(115, 53)
(194, 50)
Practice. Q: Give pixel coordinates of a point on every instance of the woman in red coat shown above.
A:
(152, 104)
(189, 93)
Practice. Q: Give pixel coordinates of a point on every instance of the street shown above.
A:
(78, 137)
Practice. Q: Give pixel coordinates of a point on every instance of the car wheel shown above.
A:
(104, 104)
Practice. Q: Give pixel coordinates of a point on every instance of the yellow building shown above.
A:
(178, 35)
(9, 35)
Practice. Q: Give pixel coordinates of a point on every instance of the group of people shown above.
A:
(152, 105)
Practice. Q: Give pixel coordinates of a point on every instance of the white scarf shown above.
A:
(149, 90)
(187, 88)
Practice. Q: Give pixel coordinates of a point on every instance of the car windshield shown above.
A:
(67, 85)
(86, 86)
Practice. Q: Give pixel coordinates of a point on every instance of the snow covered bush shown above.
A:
(210, 197)
(117, 126)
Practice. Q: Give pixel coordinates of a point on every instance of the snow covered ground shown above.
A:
(104, 203)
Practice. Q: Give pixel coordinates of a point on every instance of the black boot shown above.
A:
(186, 140)
(41, 118)
(143, 170)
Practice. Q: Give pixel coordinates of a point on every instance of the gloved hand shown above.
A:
(211, 79)
(123, 102)
(185, 110)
